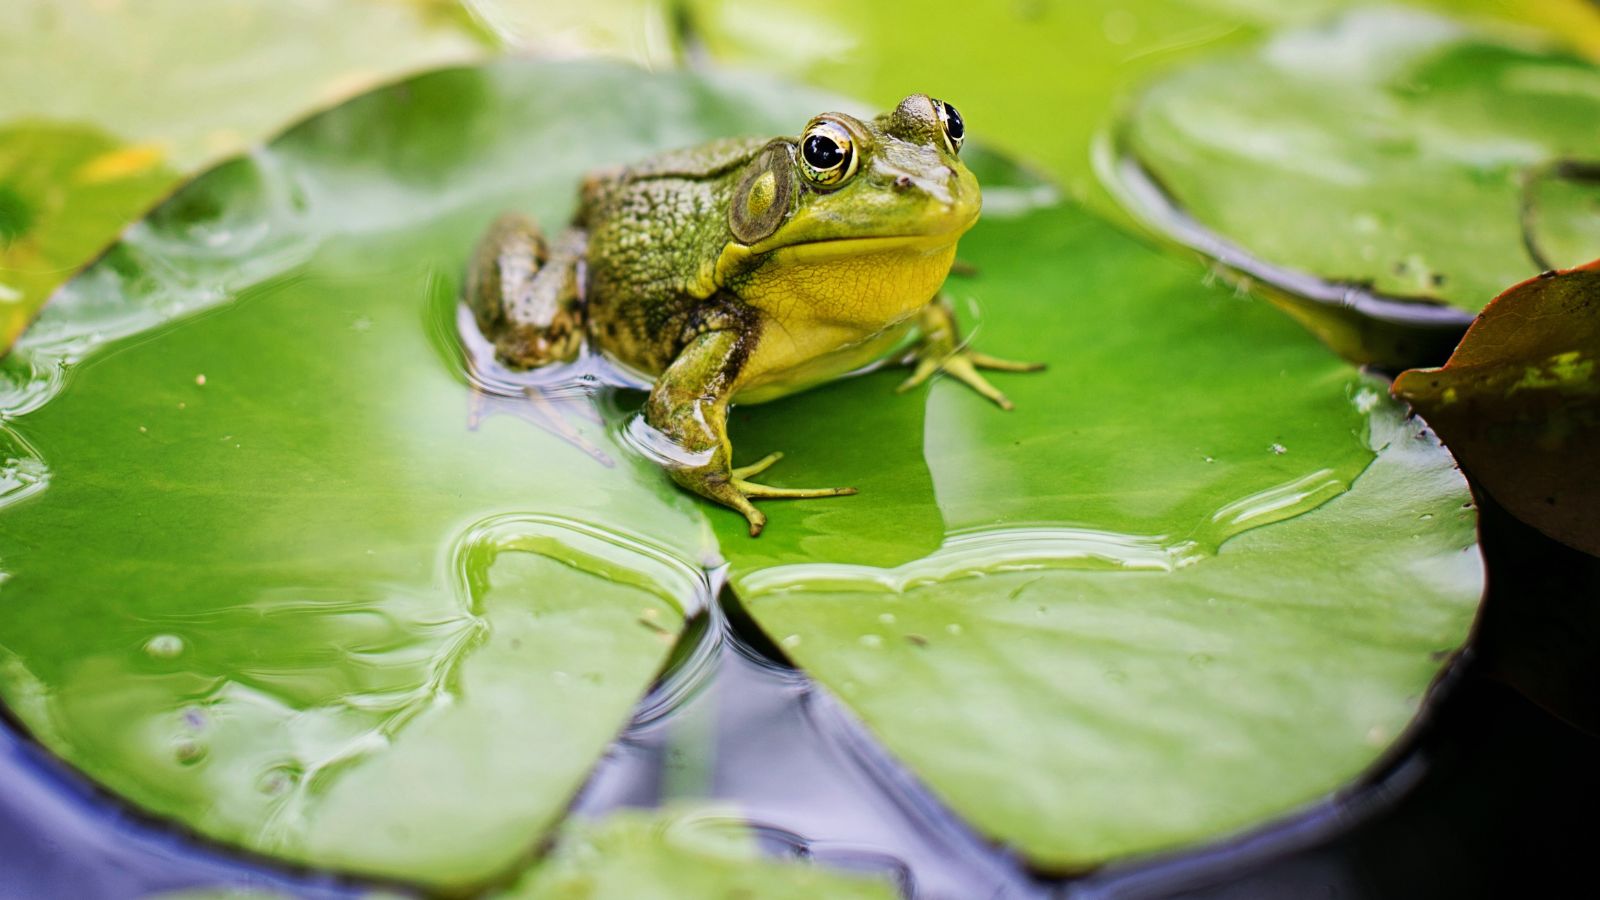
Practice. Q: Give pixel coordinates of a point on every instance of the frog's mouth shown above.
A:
(842, 248)
(923, 249)
(933, 240)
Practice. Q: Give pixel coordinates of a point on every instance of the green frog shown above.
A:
(745, 270)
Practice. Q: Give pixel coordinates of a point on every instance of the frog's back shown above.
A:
(604, 188)
(655, 229)
(709, 160)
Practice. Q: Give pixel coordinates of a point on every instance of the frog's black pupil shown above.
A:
(953, 124)
(822, 153)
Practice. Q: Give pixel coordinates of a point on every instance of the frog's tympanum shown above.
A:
(744, 270)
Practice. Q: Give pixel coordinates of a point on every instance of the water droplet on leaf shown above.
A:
(164, 646)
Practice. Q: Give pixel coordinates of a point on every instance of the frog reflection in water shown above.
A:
(745, 270)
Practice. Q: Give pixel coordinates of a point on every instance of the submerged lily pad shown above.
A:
(1386, 154)
(641, 856)
(1519, 403)
(1201, 577)
(302, 571)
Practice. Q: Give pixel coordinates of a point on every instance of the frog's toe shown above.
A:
(757, 467)
(733, 489)
(767, 492)
(733, 494)
(750, 490)
(925, 367)
(985, 361)
(756, 491)
(961, 367)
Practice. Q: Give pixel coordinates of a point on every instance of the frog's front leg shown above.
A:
(689, 405)
(939, 349)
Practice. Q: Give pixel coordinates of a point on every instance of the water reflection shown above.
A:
(799, 769)
(23, 472)
(975, 552)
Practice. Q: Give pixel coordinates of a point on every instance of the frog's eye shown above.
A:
(827, 154)
(955, 130)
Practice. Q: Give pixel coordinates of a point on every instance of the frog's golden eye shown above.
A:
(955, 130)
(827, 154)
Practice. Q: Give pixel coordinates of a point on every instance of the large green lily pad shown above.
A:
(280, 570)
(1203, 576)
(1391, 151)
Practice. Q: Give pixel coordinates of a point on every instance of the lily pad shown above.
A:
(1385, 157)
(1519, 403)
(1203, 576)
(306, 573)
(1561, 212)
(174, 88)
(662, 856)
(65, 190)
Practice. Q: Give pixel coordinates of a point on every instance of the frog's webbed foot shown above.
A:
(963, 365)
(750, 490)
(756, 468)
(735, 490)
(689, 407)
(939, 350)
(756, 491)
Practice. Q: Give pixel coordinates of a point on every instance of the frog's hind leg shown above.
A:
(940, 349)
(524, 293)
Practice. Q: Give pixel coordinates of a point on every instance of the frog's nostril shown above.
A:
(902, 183)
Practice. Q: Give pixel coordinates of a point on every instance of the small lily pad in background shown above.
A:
(1385, 155)
(1519, 403)
(1561, 211)
(663, 856)
(1201, 577)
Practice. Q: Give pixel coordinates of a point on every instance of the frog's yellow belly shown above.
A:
(781, 365)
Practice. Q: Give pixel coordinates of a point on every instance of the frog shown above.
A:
(744, 270)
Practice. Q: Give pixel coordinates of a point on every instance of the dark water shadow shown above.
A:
(63, 837)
